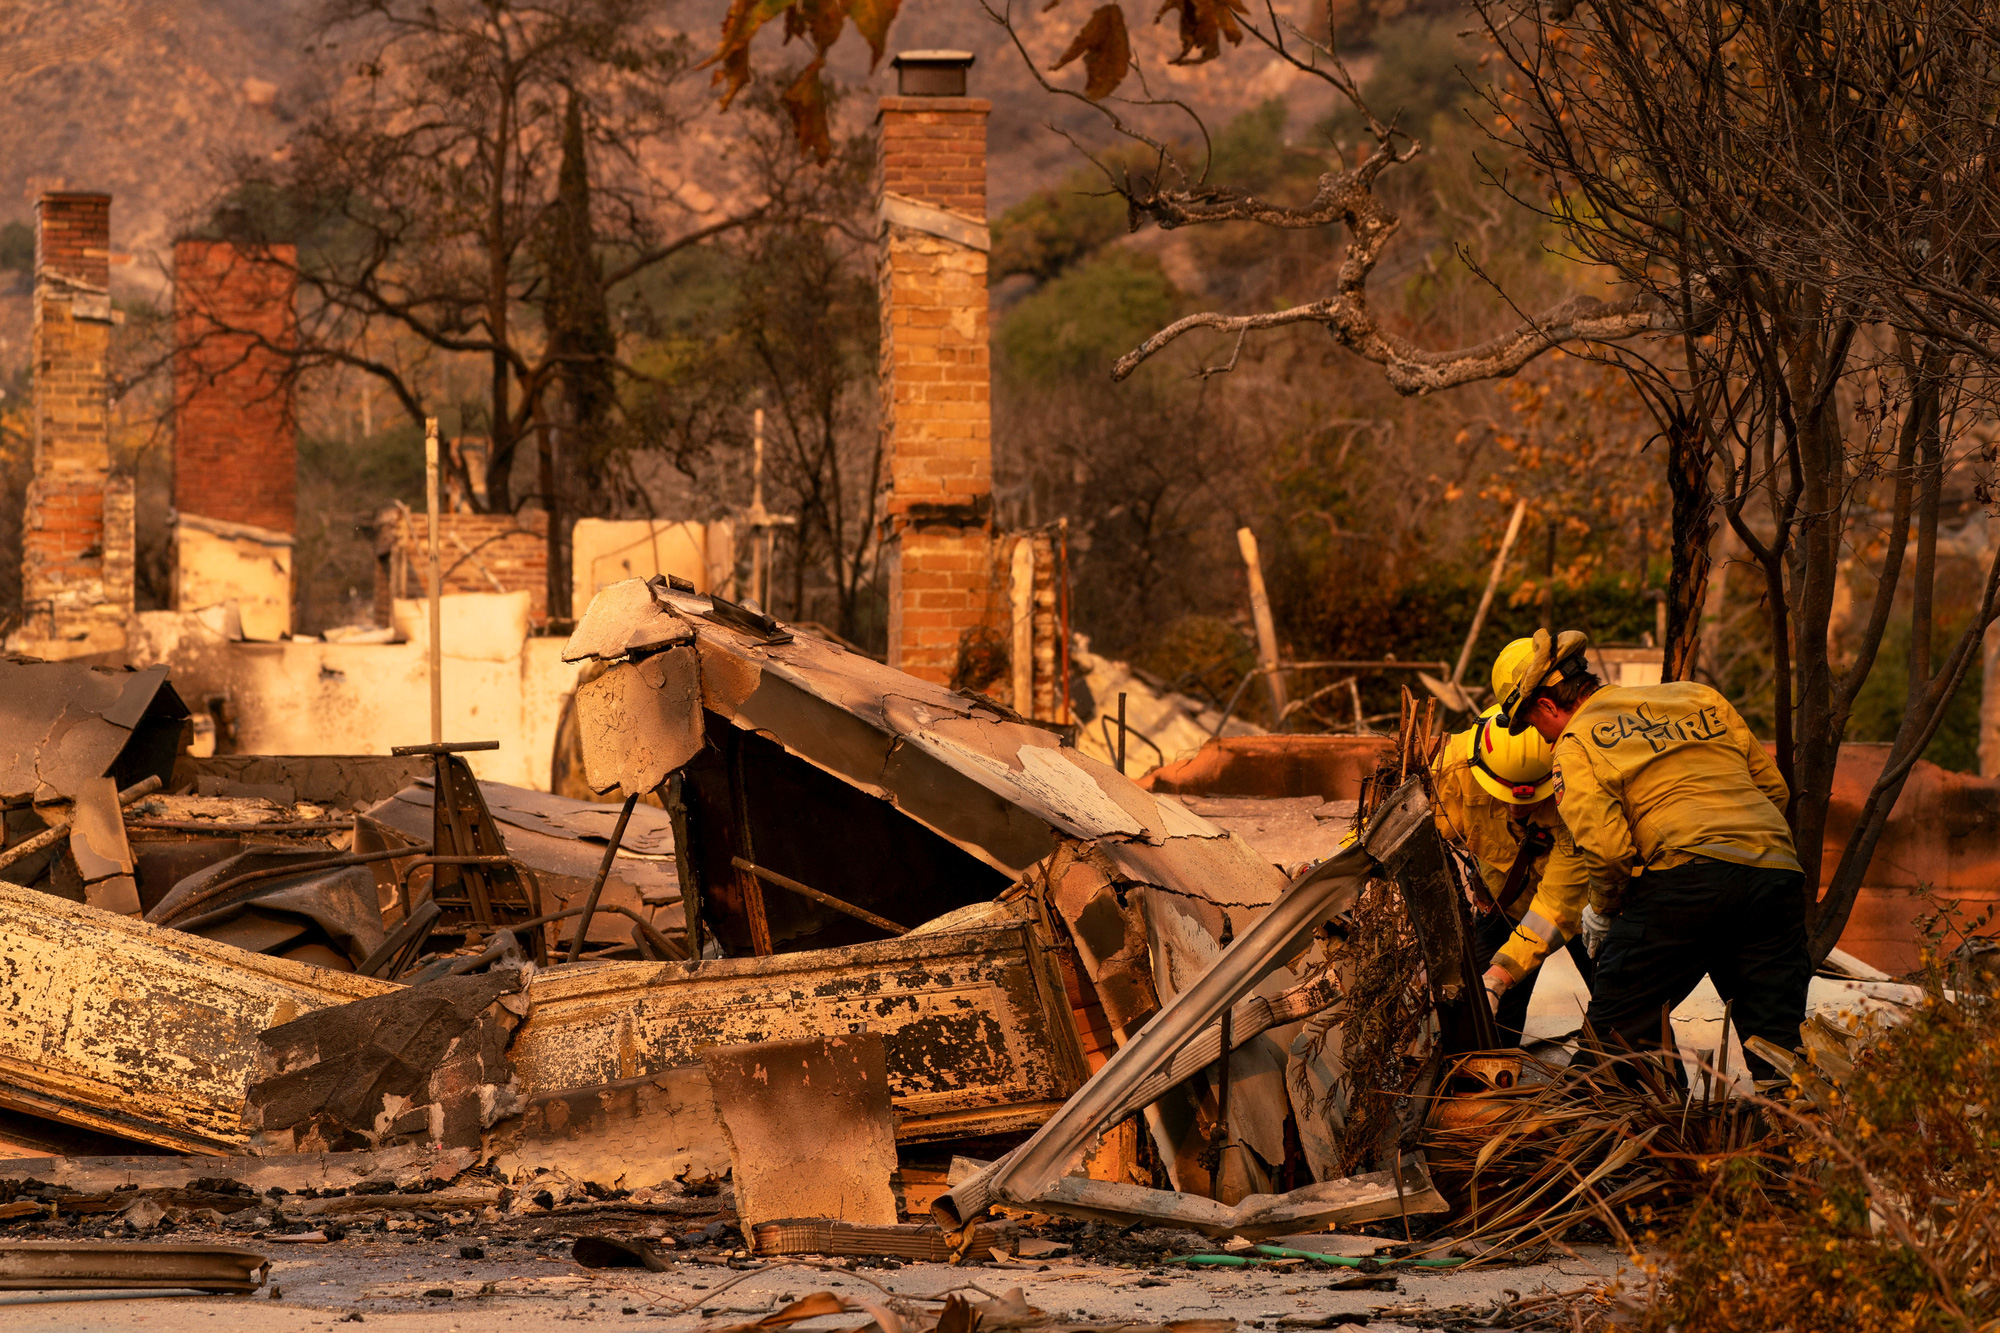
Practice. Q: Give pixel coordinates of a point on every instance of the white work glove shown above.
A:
(1497, 980)
(1596, 926)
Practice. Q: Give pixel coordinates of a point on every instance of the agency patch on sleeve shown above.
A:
(1558, 770)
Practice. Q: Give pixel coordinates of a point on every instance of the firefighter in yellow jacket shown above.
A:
(1679, 816)
(1494, 801)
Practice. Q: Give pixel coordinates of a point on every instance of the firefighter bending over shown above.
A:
(1679, 816)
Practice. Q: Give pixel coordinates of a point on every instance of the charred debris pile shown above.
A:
(993, 983)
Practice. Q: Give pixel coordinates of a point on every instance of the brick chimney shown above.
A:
(77, 538)
(936, 407)
(235, 423)
(235, 431)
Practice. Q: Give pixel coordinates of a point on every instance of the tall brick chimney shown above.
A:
(235, 431)
(235, 422)
(77, 539)
(936, 407)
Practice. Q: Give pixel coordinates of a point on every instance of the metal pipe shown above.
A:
(1062, 527)
(760, 572)
(210, 826)
(1267, 632)
(1121, 733)
(603, 873)
(415, 926)
(653, 935)
(773, 878)
(436, 581)
(55, 833)
(1235, 697)
(1384, 664)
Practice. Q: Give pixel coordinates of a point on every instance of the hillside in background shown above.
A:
(143, 98)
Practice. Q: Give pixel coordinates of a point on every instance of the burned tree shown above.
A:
(1793, 206)
(458, 199)
(1800, 188)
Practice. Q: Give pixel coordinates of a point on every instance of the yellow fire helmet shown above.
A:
(1508, 665)
(1518, 769)
(1549, 658)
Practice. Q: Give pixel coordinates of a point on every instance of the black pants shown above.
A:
(1742, 927)
(1489, 934)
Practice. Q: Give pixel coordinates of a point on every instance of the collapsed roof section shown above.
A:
(63, 724)
(799, 765)
(1002, 791)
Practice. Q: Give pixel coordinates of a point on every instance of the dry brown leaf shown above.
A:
(872, 19)
(811, 1306)
(806, 101)
(1204, 25)
(732, 52)
(1106, 49)
(818, 21)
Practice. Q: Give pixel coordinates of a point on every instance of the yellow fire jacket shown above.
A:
(1549, 911)
(1650, 777)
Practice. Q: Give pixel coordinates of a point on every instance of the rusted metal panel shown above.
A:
(64, 1265)
(63, 723)
(641, 721)
(974, 1023)
(139, 1031)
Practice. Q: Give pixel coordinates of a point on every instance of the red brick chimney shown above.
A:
(235, 423)
(935, 370)
(235, 432)
(77, 540)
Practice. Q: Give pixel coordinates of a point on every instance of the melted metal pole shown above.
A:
(1121, 733)
(760, 569)
(603, 873)
(436, 580)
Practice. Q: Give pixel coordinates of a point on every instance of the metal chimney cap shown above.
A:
(931, 73)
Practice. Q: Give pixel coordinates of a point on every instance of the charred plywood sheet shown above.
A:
(975, 1025)
(627, 1135)
(831, 1092)
(138, 1031)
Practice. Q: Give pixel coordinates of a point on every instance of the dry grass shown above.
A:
(1869, 1203)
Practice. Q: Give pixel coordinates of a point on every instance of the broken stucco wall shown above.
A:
(220, 563)
(604, 551)
(306, 698)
